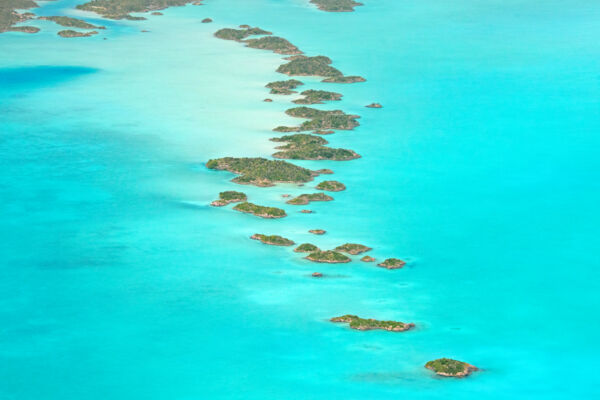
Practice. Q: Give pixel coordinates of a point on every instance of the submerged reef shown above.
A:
(353, 248)
(336, 5)
(363, 324)
(331, 186)
(230, 196)
(310, 147)
(392, 263)
(121, 9)
(284, 87)
(306, 248)
(260, 211)
(274, 240)
(450, 367)
(71, 22)
(320, 119)
(304, 199)
(328, 256)
(317, 97)
(262, 172)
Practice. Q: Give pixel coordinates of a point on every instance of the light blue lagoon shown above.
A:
(118, 281)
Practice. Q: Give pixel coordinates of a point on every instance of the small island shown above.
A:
(306, 211)
(367, 259)
(374, 105)
(121, 9)
(451, 368)
(317, 275)
(320, 120)
(392, 263)
(304, 199)
(306, 248)
(25, 29)
(331, 186)
(345, 79)
(71, 22)
(323, 132)
(260, 211)
(9, 16)
(72, 34)
(303, 146)
(273, 240)
(284, 87)
(274, 43)
(315, 66)
(262, 172)
(363, 324)
(229, 196)
(239, 34)
(325, 171)
(206, 21)
(328, 256)
(353, 248)
(336, 5)
(317, 231)
(317, 97)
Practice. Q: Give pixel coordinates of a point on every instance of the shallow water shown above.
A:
(117, 280)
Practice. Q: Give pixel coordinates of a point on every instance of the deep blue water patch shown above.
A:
(27, 78)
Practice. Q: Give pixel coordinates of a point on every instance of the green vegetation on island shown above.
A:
(71, 22)
(303, 146)
(317, 97)
(262, 172)
(320, 119)
(363, 324)
(450, 367)
(239, 34)
(336, 5)
(9, 16)
(392, 263)
(306, 248)
(260, 211)
(230, 196)
(328, 256)
(120, 9)
(367, 259)
(284, 87)
(353, 248)
(69, 33)
(274, 240)
(307, 198)
(315, 66)
(274, 43)
(331, 186)
(323, 132)
(25, 29)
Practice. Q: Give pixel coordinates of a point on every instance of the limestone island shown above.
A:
(260, 211)
(367, 259)
(229, 196)
(336, 5)
(331, 186)
(239, 34)
(157, 13)
(303, 146)
(284, 87)
(315, 66)
(72, 34)
(9, 16)
(320, 120)
(353, 248)
(71, 22)
(317, 97)
(328, 256)
(273, 240)
(121, 9)
(306, 211)
(374, 105)
(363, 324)
(274, 43)
(317, 275)
(392, 263)
(304, 199)
(325, 171)
(317, 231)
(450, 367)
(268, 100)
(262, 172)
(206, 21)
(306, 248)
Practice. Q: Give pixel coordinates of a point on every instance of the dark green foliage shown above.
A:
(260, 211)
(317, 97)
(336, 5)
(328, 256)
(306, 248)
(273, 43)
(369, 324)
(447, 366)
(274, 240)
(309, 66)
(345, 79)
(353, 248)
(232, 195)
(239, 34)
(321, 119)
(284, 87)
(71, 22)
(120, 9)
(303, 146)
(307, 198)
(392, 263)
(260, 171)
(299, 140)
(68, 33)
(331, 186)
(8, 15)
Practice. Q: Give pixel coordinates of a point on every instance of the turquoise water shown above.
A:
(118, 281)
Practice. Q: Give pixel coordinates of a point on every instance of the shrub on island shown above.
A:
(260, 211)
(229, 196)
(314, 66)
(68, 33)
(331, 186)
(262, 172)
(239, 34)
(328, 256)
(71, 22)
(284, 87)
(274, 43)
(304, 199)
(120, 9)
(367, 259)
(321, 119)
(392, 263)
(306, 248)
(317, 97)
(336, 5)
(274, 240)
(353, 248)
(450, 367)
(363, 324)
